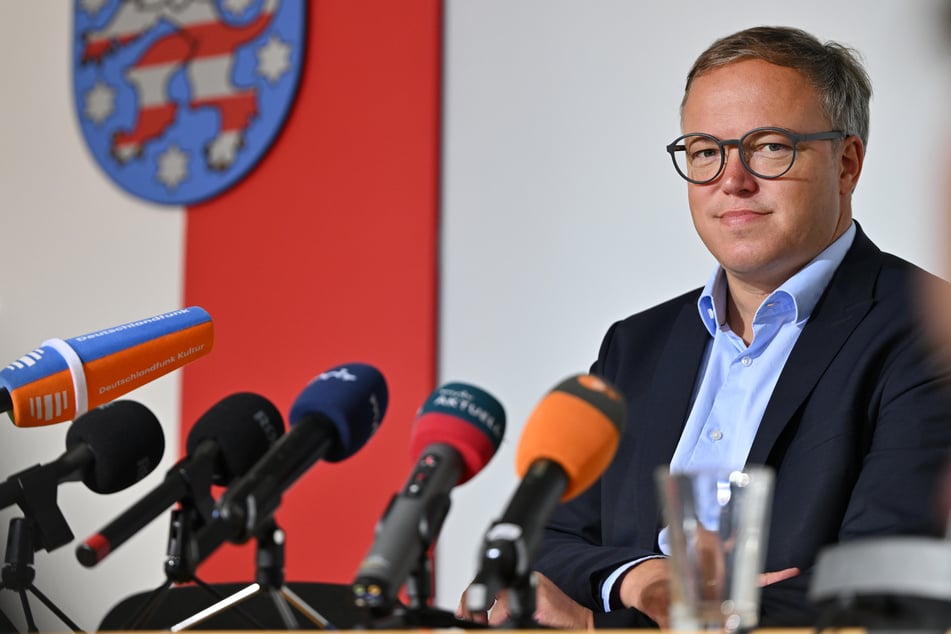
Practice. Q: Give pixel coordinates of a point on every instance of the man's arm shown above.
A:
(573, 554)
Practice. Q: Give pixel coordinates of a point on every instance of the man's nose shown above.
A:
(735, 176)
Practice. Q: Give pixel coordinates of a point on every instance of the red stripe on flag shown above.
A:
(326, 254)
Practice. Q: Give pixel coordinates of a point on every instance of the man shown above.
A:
(802, 352)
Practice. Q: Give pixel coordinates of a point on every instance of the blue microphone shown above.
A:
(334, 416)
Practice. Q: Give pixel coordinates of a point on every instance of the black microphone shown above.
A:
(567, 442)
(109, 448)
(332, 419)
(455, 434)
(223, 444)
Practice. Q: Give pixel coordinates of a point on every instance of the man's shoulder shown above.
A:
(640, 340)
(665, 311)
(898, 269)
(657, 322)
(890, 270)
(899, 283)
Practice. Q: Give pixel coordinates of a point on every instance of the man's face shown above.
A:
(763, 231)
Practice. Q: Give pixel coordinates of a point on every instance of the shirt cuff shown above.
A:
(611, 588)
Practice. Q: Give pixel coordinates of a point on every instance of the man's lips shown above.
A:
(737, 216)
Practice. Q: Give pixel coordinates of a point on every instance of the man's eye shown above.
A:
(774, 146)
(705, 153)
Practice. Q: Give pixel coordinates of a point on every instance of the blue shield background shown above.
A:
(172, 168)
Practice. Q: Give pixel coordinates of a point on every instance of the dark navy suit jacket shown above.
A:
(857, 429)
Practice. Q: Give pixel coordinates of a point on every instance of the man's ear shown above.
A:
(851, 158)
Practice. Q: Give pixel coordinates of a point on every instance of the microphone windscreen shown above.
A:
(244, 426)
(63, 379)
(126, 439)
(466, 418)
(353, 397)
(577, 425)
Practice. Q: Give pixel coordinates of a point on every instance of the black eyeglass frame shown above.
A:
(795, 138)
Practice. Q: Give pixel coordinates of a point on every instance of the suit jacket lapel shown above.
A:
(845, 302)
(665, 412)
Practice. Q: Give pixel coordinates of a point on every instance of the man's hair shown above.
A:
(835, 70)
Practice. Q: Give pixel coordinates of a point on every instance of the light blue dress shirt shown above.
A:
(738, 380)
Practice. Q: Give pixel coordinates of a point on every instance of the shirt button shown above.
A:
(715, 435)
(746, 361)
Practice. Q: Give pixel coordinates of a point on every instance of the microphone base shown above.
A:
(899, 583)
(269, 581)
(283, 598)
(256, 613)
(405, 618)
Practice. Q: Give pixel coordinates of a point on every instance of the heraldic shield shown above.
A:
(179, 99)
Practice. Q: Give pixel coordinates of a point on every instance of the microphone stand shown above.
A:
(419, 613)
(522, 603)
(506, 565)
(269, 579)
(42, 527)
(183, 522)
(18, 574)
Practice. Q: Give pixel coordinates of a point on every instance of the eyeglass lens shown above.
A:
(766, 153)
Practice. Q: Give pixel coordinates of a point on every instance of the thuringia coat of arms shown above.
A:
(179, 99)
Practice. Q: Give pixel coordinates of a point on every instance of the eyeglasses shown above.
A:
(764, 152)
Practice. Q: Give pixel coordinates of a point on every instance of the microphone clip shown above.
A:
(505, 565)
(34, 490)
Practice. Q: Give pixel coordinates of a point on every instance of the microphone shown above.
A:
(567, 442)
(108, 448)
(223, 444)
(62, 379)
(332, 418)
(455, 434)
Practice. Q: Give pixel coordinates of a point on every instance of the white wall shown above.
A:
(562, 211)
(561, 214)
(79, 255)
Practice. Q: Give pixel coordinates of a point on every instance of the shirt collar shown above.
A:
(804, 288)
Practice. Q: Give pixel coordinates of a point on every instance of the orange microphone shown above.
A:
(566, 444)
(63, 379)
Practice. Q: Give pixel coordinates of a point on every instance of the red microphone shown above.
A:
(455, 434)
